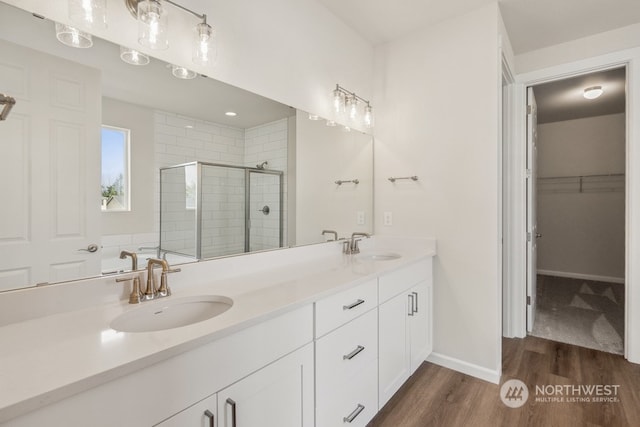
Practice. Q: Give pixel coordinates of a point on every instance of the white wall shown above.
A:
(582, 232)
(437, 93)
(292, 51)
(586, 47)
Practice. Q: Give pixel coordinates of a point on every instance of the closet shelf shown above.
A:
(595, 183)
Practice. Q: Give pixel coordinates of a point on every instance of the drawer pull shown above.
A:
(352, 416)
(353, 305)
(415, 301)
(233, 412)
(210, 417)
(411, 305)
(353, 354)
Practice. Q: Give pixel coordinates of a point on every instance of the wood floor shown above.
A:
(437, 396)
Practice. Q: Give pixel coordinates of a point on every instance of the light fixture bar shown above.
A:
(347, 92)
(132, 5)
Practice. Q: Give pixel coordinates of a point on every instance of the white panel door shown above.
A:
(532, 227)
(420, 324)
(50, 149)
(280, 394)
(393, 346)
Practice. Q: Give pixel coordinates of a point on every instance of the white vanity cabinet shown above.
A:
(347, 357)
(405, 330)
(268, 356)
(280, 394)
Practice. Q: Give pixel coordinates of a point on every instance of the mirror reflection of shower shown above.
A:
(209, 210)
(262, 165)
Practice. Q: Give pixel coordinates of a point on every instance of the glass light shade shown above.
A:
(89, 13)
(314, 117)
(133, 57)
(593, 92)
(352, 107)
(204, 51)
(152, 24)
(73, 37)
(368, 118)
(338, 101)
(183, 73)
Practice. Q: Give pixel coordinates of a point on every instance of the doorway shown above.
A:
(576, 167)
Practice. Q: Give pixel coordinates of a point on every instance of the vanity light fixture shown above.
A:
(133, 57)
(72, 36)
(593, 92)
(91, 14)
(182, 72)
(153, 26)
(345, 101)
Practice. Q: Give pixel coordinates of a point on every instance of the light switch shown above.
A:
(387, 219)
(360, 220)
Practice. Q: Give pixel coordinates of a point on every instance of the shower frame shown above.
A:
(247, 198)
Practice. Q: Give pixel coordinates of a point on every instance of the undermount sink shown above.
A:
(171, 313)
(378, 256)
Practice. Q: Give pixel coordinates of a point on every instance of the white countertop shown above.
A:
(46, 359)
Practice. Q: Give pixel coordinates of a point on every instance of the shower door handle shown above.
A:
(265, 210)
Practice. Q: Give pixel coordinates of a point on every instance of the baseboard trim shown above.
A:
(465, 367)
(581, 276)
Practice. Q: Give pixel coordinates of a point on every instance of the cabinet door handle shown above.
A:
(353, 304)
(415, 301)
(233, 412)
(411, 304)
(211, 418)
(352, 416)
(353, 354)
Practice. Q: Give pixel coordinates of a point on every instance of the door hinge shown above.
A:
(528, 237)
(529, 109)
(528, 172)
(528, 300)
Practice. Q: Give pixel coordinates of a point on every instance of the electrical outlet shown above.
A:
(360, 220)
(387, 219)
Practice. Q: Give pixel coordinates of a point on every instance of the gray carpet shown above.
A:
(581, 312)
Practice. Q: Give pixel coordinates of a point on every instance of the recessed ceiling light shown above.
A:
(593, 92)
(231, 113)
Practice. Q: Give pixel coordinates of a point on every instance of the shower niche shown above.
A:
(210, 210)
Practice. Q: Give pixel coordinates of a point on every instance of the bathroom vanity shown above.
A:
(313, 338)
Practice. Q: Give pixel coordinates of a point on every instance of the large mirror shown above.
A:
(100, 156)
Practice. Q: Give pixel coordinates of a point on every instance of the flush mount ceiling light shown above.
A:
(153, 25)
(133, 57)
(183, 73)
(347, 102)
(91, 14)
(73, 37)
(593, 92)
(231, 113)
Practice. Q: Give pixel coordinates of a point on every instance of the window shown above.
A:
(115, 169)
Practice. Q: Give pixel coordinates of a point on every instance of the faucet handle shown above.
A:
(136, 293)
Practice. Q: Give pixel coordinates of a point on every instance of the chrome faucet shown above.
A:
(351, 246)
(163, 290)
(335, 234)
(134, 259)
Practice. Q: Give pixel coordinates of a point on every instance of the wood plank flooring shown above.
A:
(436, 396)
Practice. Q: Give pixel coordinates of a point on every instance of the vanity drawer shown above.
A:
(400, 280)
(338, 309)
(345, 352)
(356, 399)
